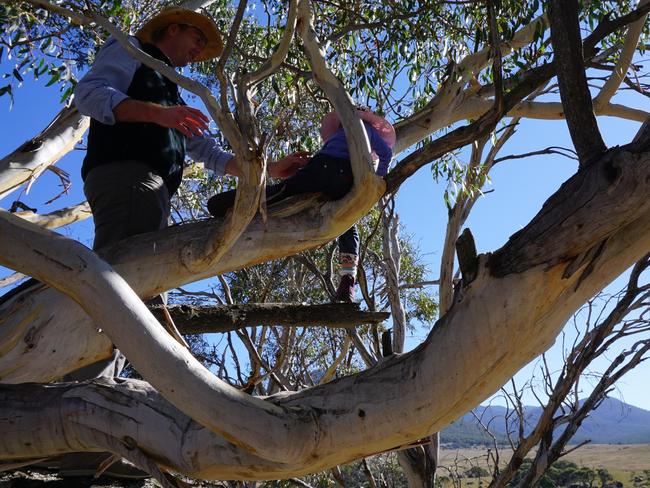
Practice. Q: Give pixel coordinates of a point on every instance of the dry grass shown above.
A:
(619, 458)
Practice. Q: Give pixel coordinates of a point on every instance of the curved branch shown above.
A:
(363, 414)
(277, 58)
(75, 270)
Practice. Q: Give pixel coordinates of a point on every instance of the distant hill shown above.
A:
(613, 422)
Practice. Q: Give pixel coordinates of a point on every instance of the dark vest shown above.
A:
(161, 148)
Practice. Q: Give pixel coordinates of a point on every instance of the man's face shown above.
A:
(183, 43)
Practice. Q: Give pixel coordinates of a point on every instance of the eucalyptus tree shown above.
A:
(448, 73)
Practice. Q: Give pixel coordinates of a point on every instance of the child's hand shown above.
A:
(288, 165)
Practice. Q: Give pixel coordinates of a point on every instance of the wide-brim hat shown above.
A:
(331, 123)
(176, 15)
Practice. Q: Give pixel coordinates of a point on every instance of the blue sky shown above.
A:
(519, 188)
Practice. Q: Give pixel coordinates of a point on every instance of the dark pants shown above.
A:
(322, 174)
(126, 198)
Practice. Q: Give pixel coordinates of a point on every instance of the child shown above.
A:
(329, 172)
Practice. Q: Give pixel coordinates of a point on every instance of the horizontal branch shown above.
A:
(476, 106)
(192, 319)
(58, 218)
(113, 306)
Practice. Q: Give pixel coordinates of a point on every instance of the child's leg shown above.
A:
(220, 203)
(321, 174)
(348, 262)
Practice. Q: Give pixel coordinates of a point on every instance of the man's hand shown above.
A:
(189, 121)
(288, 165)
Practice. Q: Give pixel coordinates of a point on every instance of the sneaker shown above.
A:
(345, 291)
(88, 463)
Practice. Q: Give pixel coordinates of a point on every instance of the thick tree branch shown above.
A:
(572, 80)
(113, 306)
(192, 319)
(348, 414)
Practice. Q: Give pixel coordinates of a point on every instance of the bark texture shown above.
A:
(224, 318)
(572, 80)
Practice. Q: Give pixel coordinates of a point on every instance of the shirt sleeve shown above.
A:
(381, 149)
(209, 152)
(107, 82)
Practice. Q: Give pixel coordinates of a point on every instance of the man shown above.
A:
(140, 132)
(141, 129)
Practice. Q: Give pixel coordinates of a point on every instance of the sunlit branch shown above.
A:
(625, 58)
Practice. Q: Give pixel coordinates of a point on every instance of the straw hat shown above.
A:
(177, 15)
(331, 123)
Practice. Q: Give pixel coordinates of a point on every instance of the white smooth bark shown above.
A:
(36, 155)
(107, 299)
(58, 218)
(477, 106)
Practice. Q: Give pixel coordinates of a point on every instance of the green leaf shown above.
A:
(66, 94)
(17, 75)
(54, 78)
